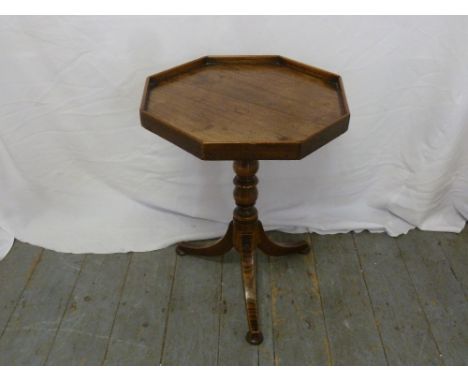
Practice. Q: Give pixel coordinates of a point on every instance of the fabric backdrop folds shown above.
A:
(79, 174)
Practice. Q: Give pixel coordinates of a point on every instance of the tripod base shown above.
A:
(245, 233)
(226, 243)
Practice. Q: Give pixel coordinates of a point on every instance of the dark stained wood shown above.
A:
(351, 325)
(245, 239)
(272, 248)
(442, 296)
(217, 249)
(246, 234)
(245, 107)
(405, 329)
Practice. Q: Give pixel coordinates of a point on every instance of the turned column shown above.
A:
(245, 223)
(245, 233)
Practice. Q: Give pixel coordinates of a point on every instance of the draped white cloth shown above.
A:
(79, 174)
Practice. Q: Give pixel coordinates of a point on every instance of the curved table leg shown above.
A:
(272, 248)
(217, 249)
(245, 233)
(248, 265)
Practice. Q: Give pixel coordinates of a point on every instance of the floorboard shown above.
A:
(88, 319)
(298, 324)
(266, 356)
(403, 325)
(440, 292)
(138, 332)
(193, 323)
(30, 332)
(352, 331)
(15, 271)
(455, 248)
(233, 348)
(355, 299)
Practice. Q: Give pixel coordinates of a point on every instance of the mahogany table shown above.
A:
(245, 108)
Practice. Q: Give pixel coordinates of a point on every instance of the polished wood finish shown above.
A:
(245, 239)
(272, 248)
(245, 233)
(245, 108)
(219, 248)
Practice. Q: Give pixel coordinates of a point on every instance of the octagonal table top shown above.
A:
(245, 107)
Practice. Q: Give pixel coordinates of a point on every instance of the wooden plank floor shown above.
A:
(355, 299)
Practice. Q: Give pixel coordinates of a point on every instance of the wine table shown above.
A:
(245, 109)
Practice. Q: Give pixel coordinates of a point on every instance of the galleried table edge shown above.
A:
(245, 232)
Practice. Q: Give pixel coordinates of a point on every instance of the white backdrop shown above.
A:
(79, 174)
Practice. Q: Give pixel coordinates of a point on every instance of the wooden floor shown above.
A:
(355, 299)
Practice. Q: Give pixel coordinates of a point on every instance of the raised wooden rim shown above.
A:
(291, 150)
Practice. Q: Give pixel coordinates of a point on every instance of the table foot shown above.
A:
(272, 248)
(219, 248)
(254, 338)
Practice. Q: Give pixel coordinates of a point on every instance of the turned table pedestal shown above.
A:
(244, 109)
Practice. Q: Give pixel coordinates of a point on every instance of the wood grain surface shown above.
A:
(245, 107)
